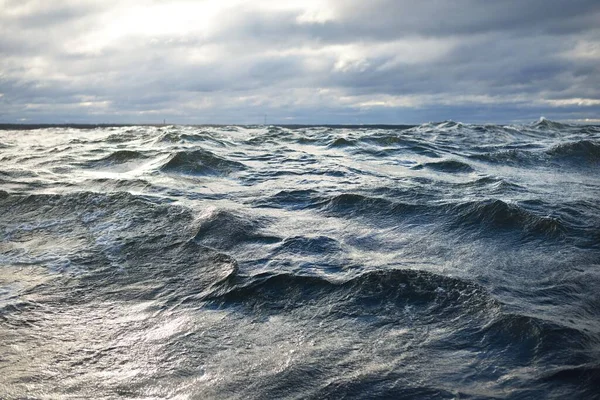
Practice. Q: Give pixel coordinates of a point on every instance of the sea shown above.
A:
(438, 261)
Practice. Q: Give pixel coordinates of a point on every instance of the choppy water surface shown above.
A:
(439, 261)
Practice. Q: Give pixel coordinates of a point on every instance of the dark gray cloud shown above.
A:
(384, 20)
(466, 17)
(335, 61)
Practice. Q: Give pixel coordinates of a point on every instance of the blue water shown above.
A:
(438, 261)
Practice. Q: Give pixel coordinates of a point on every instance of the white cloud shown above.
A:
(573, 102)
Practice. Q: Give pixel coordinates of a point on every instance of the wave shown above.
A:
(167, 269)
(121, 157)
(369, 386)
(268, 175)
(201, 162)
(111, 184)
(451, 166)
(391, 145)
(225, 230)
(192, 136)
(149, 266)
(534, 336)
(77, 204)
(386, 140)
(546, 124)
(19, 173)
(513, 156)
(500, 215)
(169, 137)
(125, 246)
(352, 204)
(494, 184)
(290, 199)
(583, 150)
(365, 293)
(574, 153)
(586, 375)
(485, 216)
(273, 135)
(342, 142)
(319, 245)
(439, 127)
(123, 137)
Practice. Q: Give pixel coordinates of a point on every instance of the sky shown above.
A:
(299, 61)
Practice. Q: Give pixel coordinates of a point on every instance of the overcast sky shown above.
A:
(299, 61)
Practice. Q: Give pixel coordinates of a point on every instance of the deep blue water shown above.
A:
(441, 261)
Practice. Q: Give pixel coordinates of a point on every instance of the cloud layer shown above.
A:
(336, 61)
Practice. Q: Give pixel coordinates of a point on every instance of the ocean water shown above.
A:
(440, 261)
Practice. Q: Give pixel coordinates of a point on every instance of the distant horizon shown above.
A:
(350, 121)
(26, 125)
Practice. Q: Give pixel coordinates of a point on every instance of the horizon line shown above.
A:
(86, 125)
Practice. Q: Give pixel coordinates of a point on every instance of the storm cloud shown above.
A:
(336, 61)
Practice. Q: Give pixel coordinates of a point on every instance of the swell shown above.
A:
(365, 293)
(512, 156)
(225, 230)
(192, 136)
(88, 221)
(163, 268)
(354, 204)
(528, 339)
(342, 142)
(116, 246)
(122, 137)
(577, 153)
(485, 216)
(322, 246)
(393, 143)
(18, 173)
(112, 185)
(493, 185)
(545, 124)
(451, 166)
(120, 157)
(34, 205)
(201, 162)
(273, 135)
(412, 297)
(500, 215)
(290, 199)
(582, 150)
(585, 375)
(378, 145)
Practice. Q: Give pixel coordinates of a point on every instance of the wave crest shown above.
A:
(201, 162)
(451, 166)
(580, 150)
(502, 215)
(365, 293)
(225, 230)
(120, 157)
